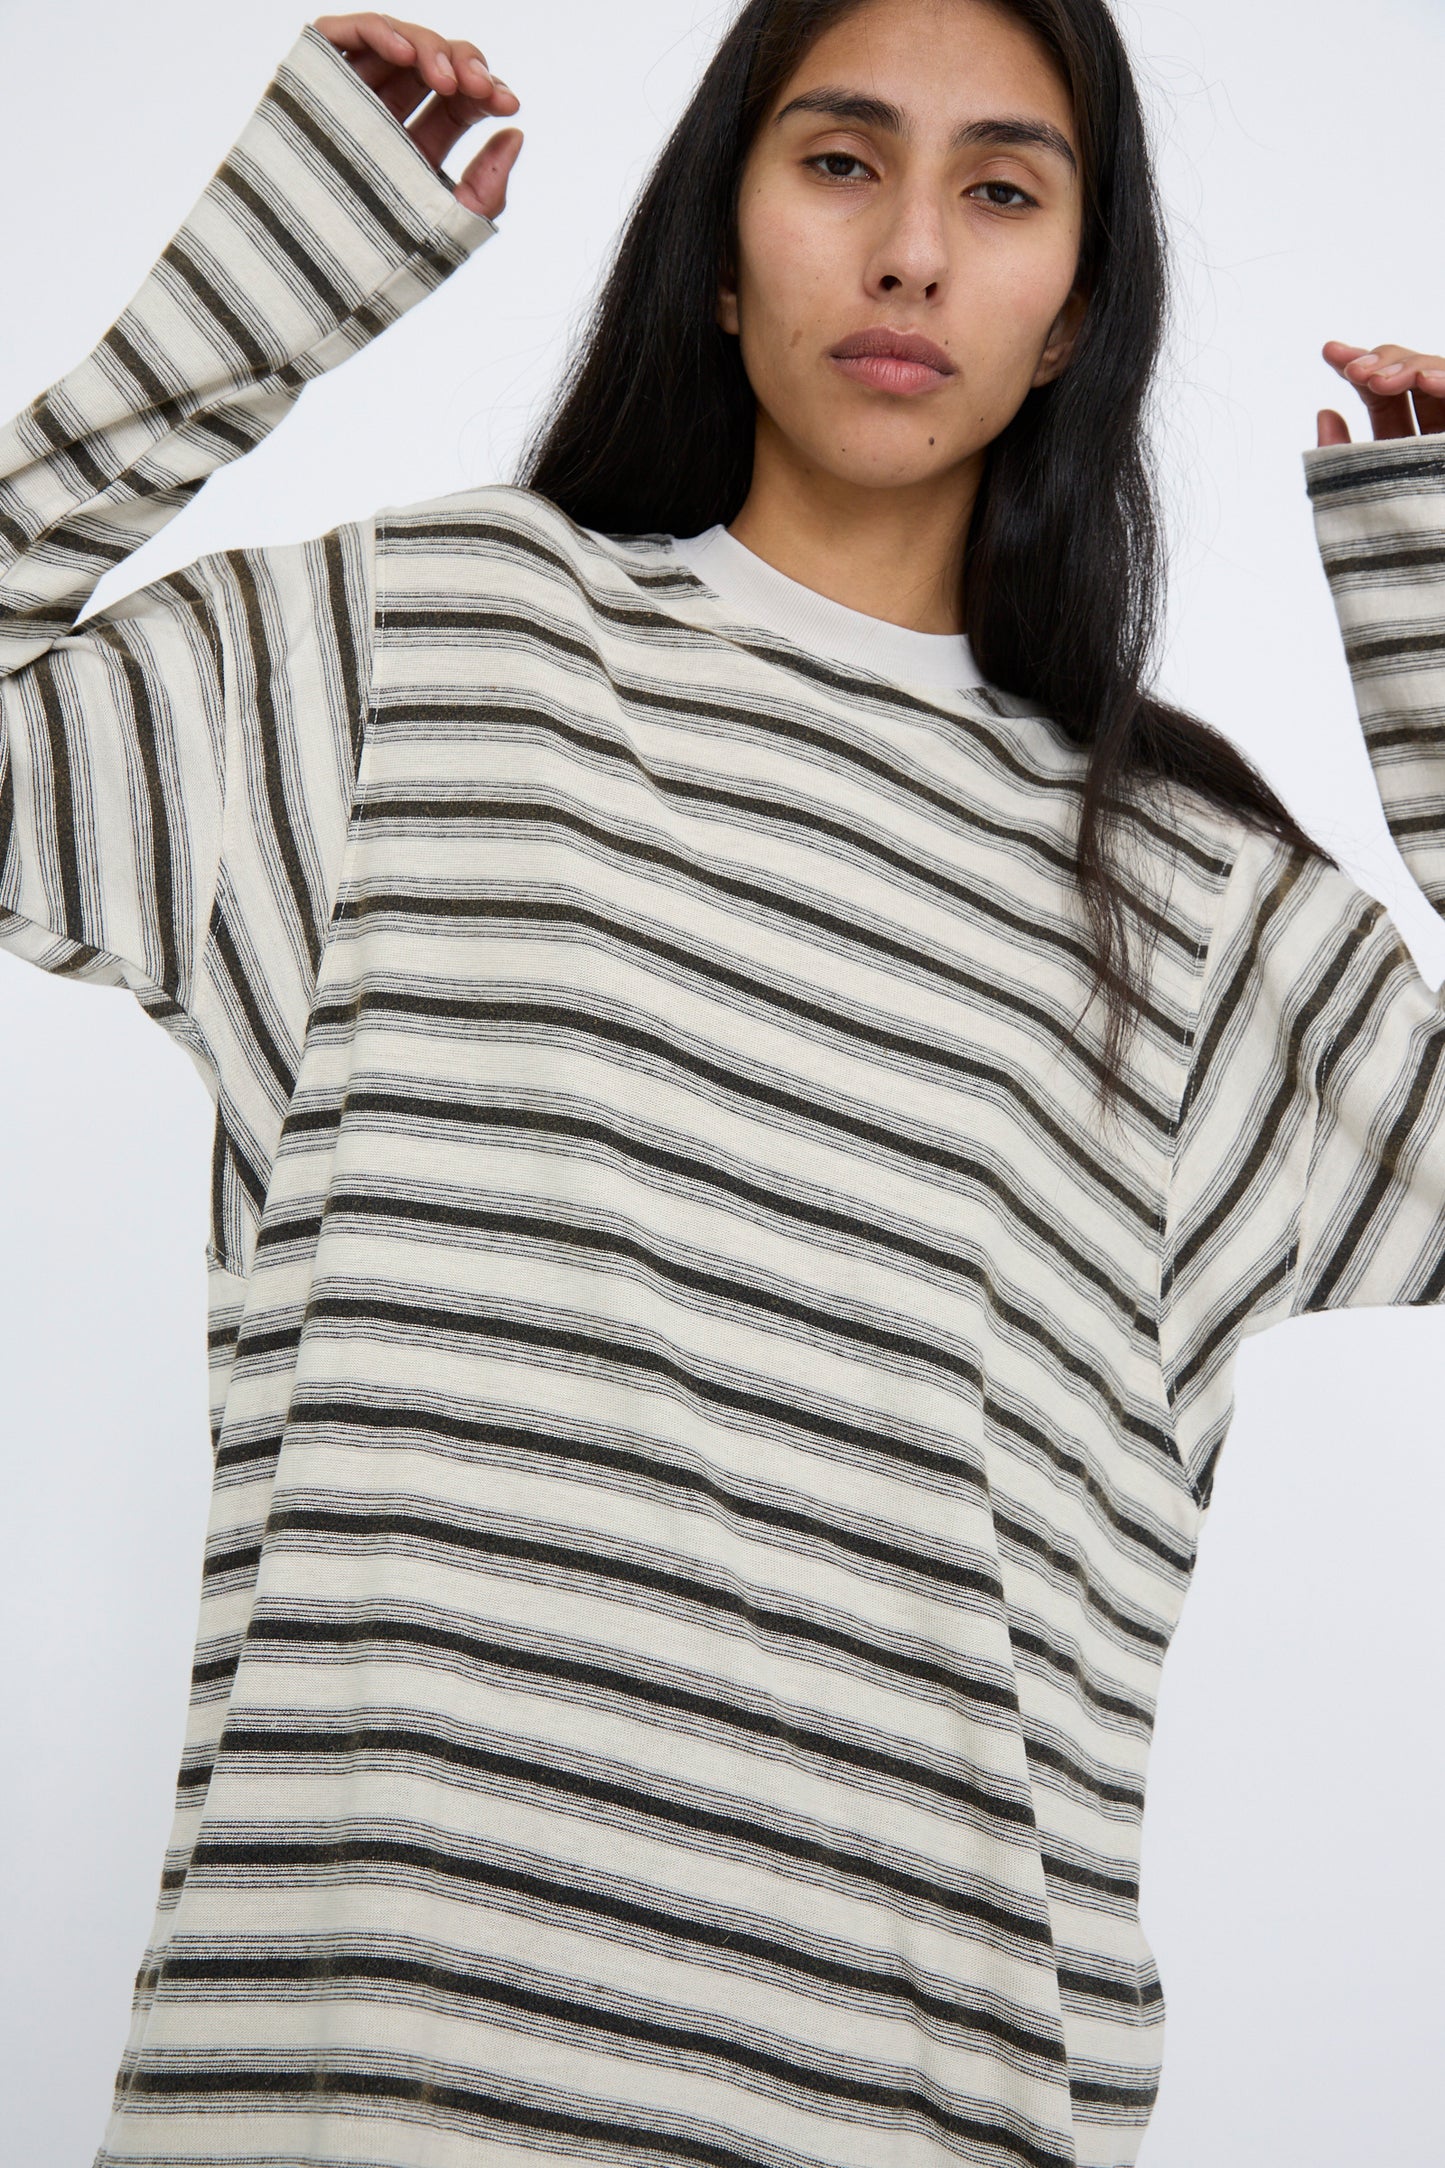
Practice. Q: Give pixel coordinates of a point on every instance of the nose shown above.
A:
(910, 257)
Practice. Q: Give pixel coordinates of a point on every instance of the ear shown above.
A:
(1063, 333)
(726, 310)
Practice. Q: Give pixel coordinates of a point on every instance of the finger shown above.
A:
(376, 69)
(401, 91)
(1334, 429)
(449, 82)
(1393, 418)
(476, 80)
(1403, 374)
(1358, 364)
(1400, 386)
(447, 120)
(1337, 352)
(434, 62)
(483, 186)
(373, 43)
(1405, 393)
(1430, 402)
(383, 56)
(410, 66)
(1382, 376)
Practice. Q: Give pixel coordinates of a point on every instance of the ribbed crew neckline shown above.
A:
(748, 584)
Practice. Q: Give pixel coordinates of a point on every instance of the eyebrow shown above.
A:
(880, 113)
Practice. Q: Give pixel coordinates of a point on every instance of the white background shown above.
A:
(1293, 1882)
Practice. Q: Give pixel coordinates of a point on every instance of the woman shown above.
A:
(719, 1348)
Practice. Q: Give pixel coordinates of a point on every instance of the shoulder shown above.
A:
(1258, 904)
(517, 525)
(1295, 920)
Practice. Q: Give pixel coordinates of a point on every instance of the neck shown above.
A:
(894, 553)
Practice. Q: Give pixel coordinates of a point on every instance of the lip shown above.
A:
(896, 360)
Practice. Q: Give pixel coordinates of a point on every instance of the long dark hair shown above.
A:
(652, 432)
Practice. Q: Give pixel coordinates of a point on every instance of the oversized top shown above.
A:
(710, 1436)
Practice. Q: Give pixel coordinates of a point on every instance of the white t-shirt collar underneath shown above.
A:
(748, 584)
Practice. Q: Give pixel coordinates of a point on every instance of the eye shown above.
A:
(845, 158)
(1008, 189)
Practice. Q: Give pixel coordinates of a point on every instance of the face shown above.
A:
(853, 217)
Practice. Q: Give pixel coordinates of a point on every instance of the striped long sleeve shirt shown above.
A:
(710, 1436)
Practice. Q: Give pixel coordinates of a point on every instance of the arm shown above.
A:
(1309, 1169)
(176, 772)
(322, 225)
(1373, 1227)
(1379, 514)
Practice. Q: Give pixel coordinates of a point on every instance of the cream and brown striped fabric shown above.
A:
(711, 1439)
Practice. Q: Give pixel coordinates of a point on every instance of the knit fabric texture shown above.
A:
(711, 1433)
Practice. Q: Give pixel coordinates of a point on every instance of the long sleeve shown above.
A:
(1309, 1169)
(1379, 514)
(176, 771)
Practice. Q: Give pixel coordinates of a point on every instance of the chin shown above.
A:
(891, 469)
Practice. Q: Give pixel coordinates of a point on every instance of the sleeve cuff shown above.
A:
(332, 204)
(407, 181)
(1377, 467)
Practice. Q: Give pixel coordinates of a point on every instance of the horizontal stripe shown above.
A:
(711, 1431)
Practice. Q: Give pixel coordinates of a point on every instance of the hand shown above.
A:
(405, 65)
(1388, 378)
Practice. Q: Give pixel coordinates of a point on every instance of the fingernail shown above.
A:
(1365, 361)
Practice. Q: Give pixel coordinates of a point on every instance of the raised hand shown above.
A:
(1398, 385)
(408, 67)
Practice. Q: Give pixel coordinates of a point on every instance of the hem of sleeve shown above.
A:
(1337, 471)
(408, 197)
